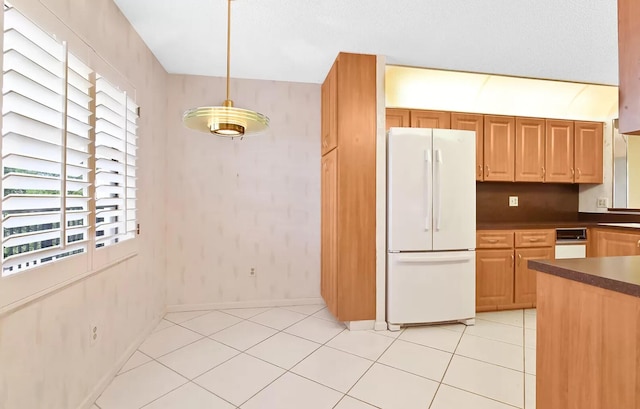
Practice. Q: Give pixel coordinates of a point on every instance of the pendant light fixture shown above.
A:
(226, 120)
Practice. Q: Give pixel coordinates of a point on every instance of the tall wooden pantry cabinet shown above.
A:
(348, 193)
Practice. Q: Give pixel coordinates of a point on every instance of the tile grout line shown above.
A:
(367, 371)
(320, 345)
(482, 396)
(453, 354)
(191, 343)
(467, 391)
(210, 369)
(130, 369)
(487, 397)
(288, 370)
(394, 339)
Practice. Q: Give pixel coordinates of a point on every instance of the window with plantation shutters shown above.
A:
(115, 164)
(45, 148)
(69, 149)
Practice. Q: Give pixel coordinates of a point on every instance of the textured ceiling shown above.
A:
(297, 40)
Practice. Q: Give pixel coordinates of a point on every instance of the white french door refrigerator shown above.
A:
(431, 226)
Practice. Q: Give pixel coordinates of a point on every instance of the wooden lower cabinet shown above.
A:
(494, 278)
(612, 243)
(503, 279)
(525, 279)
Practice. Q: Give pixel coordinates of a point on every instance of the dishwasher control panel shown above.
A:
(571, 235)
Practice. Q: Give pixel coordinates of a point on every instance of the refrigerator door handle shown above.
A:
(427, 161)
(438, 194)
(435, 259)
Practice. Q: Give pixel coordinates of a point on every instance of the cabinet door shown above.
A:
(472, 122)
(430, 119)
(614, 243)
(559, 151)
(499, 148)
(329, 226)
(494, 277)
(588, 153)
(397, 118)
(530, 149)
(629, 66)
(329, 122)
(525, 279)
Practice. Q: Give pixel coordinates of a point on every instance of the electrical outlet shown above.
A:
(602, 203)
(93, 335)
(252, 272)
(513, 201)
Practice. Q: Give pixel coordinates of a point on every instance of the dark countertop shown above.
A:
(619, 274)
(554, 225)
(531, 225)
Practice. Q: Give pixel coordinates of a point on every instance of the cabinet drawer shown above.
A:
(535, 238)
(494, 239)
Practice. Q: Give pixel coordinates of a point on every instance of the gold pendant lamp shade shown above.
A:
(226, 120)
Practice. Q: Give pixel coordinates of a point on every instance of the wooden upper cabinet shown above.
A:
(472, 122)
(559, 164)
(397, 118)
(329, 231)
(525, 279)
(629, 65)
(430, 119)
(494, 278)
(329, 102)
(530, 149)
(499, 148)
(588, 152)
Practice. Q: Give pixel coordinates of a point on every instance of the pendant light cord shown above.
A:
(228, 43)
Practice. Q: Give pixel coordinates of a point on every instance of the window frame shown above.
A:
(38, 281)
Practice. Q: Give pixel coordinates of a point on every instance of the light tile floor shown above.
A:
(300, 357)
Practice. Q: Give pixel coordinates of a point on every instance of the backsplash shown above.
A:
(537, 202)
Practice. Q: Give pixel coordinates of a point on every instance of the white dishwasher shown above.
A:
(571, 243)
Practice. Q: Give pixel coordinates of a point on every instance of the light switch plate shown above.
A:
(513, 201)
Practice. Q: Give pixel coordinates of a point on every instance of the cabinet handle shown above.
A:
(638, 243)
(492, 241)
(543, 172)
(573, 172)
(519, 259)
(533, 239)
(480, 170)
(488, 170)
(512, 260)
(579, 173)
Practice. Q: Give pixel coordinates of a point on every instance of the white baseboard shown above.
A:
(244, 304)
(380, 326)
(106, 380)
(360, 325)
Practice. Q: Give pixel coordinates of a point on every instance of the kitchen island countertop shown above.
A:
(619, 274)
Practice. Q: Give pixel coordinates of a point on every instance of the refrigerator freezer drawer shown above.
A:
(431, 287)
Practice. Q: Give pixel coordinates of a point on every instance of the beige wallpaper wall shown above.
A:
(46, 360)
(237, 204)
